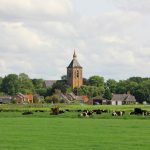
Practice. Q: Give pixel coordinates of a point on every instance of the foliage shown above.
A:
(107, 94)
(112, 85)
(96, 81)
(10, 84)
(90, 91)
(38, 83)
(52, 99)
(26, 85)
(60, 85)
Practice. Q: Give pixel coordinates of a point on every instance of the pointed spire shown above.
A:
(74, 55)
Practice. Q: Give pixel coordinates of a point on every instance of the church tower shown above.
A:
(74, 73)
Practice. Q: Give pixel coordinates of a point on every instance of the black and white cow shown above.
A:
(118, 113)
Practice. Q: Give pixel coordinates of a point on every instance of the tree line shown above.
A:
(94, 86)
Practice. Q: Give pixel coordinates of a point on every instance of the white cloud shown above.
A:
(38, 38)
(34, 9)
(141, 6)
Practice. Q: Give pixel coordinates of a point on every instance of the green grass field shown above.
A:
(42, 131)
(74, 134)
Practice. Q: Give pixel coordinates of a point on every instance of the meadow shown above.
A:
(42, 131)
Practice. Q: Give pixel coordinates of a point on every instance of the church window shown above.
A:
(77, 73)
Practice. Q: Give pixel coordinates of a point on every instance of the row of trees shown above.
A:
(94, 86)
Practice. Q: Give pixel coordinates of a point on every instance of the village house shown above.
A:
(5, 99)
(71, 97)
(123, 99)
(23, 98)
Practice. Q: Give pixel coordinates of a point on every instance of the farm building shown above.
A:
(123, 99)
(5, 99)
(98, 100)
(70, 97)
(21, 98)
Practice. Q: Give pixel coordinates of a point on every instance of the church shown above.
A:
(74, 73)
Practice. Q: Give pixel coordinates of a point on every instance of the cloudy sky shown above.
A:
(111, 37)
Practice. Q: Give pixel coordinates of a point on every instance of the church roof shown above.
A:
(74, 63)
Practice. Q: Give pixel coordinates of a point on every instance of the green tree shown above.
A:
(1, 80)
(135, 79)
(96, 81)
(111, 84)
(60, 85)
(121, 87)
(143, 91)
(38, 83)
(64, 77)
(107, 94)
(26, 85)
(10, 84)
(55, 98)
(90, 91)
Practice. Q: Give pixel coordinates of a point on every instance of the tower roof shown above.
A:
(74, 63)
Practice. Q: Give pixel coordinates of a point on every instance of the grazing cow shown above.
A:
(55, 111)
(27, 113)
(139, 111)
(79, 110)
(67, 110)
(97, 111)
(61, 111)
(86, 113)
(118, 113)
(39, 110)
(104, 111)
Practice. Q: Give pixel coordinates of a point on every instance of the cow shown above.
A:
(39, 110)
(56, 111)
(86, 113)
(27, 113)
(67, 110)
(118, 113)
(139, 111)
(104, 111)
(97, 111)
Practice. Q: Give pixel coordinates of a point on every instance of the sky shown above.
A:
(111, 37)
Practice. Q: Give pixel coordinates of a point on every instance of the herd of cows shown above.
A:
(89, 113)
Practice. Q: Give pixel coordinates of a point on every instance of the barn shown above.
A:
(123, 99)
(98, 100)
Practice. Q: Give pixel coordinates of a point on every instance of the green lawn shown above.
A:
(31, 133)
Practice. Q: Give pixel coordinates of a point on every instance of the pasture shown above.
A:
(73, 134)
(67, 131)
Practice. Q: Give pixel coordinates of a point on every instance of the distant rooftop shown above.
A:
(49, 83)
